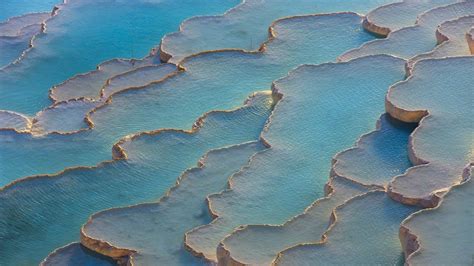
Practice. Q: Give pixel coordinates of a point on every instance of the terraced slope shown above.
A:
(432, 236)
(245, 26)
(410, 41)
(76, 254)
(185, 202)
(127, 29)
(216, 80)
(371, 164)
(394, 16)
(441, 146)
(282, 181)
(16, 35)
(364, 232)
(146, 165)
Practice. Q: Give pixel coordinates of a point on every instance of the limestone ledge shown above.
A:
(119, 153)
(432, 199)
(14, 121)
(408, 239)
(224, 255)
(374, 28)
(56, 9)
(15, 26)
(470, 40)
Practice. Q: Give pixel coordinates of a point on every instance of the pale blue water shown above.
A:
(45, 213)
(86, 33)
(186, 203)
(379, 155)
(220, 80)
(75, 254)
(245, 27)
(325, 109)
(205, 85)
(365, 232)
(377, 158)
(12, 47)
(13, 8)
(306, 131)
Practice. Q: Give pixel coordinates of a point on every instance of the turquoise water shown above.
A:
(13, 8)
(46, 212)
(127, 153)
(364, 234)
(282, 181)
(219, 80)
(442, 88)
(185, 203)
(420, 38)
(245, 26)
(85, 33)
(442, 235)
(75, 254)
(377, 158)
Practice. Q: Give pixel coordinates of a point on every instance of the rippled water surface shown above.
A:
(85, 33)
(256, 132)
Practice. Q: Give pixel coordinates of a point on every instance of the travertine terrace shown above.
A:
(236, 132)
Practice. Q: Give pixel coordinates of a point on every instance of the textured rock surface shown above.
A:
(75, 254)
(31, 228)
(245, 26)
(185, 202)
(282, 181)
(377, 157)
(434, 236)
(411, 41)
(364, 232)
(436, 94)
(395, 16)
